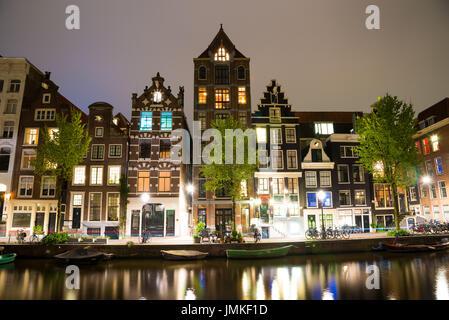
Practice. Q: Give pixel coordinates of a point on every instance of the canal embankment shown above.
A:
(145, 251)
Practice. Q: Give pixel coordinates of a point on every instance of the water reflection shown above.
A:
(423, 276)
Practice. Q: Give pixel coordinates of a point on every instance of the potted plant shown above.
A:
(196, 238)
(240, 237)
(234, 236)
(39, 231)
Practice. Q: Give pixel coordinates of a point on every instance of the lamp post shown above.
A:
(321, 196)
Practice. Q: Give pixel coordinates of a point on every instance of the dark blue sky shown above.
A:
(319, 51)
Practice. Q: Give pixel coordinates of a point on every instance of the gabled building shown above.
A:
(33, 198)
(19, 83)
(277, 180)
(432, 141)
(94, 203)
(221, 89)
(157, 181)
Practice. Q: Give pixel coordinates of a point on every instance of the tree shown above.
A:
(227, 177)
(387, 148)
(124, 193)
(62, 149)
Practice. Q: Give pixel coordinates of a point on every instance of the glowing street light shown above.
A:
(190, 188)
(145, 197)
(426, 179)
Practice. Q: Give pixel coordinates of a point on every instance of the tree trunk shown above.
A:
(233, 213)
(59, 185)
(394, 189)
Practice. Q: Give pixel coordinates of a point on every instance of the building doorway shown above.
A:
(135, 223)
(223, 220)
(153, 219)
(311, 221)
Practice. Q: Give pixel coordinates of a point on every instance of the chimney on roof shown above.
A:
(47, 75)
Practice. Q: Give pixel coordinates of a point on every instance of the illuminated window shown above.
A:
(435, 144)
(221, 54)
(166, 121)
(426, 146)
(114, 175)
(79, 175)
(26, 186)
(96, 176)
(244, 188)
(383, 197)
(359, 197)
(275, 115)
(418, 146)
(263, 186)
(113, 206)
(143, 181)
(292, 185)
(27, 157)
(157, 96)
(95, 206)
(202, 95)
(277, 185)
(221, 98)
(146, 120)
(275, 136)
(242, 95)
(52, 132)
(31, 136)
(164, 181)
(324, 128)
(261, 134)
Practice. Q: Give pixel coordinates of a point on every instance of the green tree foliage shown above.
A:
(228, 178)
(387, 148)
(62, 150)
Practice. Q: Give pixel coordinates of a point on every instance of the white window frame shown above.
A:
(109, 150)
(73, 205)
(91, 175)
(92, 152)
(44, 112)
(316, 198)
(344, 156)
(364, 197)
(361, 168)
(267, 191)
(439, 189)
(315, 177)
(32, 187)
(430, 191)
(107, 206)
(22, 159)
(296, 159)
(42, 187)
(25, 142)
(330, 180)
(294, 135)
(44, 96)
(274, 163)
(338, 175)
(101, 206)
(272, 135)
(261, 132)
(109, 175)
(350, 201)
(74, 176)
(102, 132)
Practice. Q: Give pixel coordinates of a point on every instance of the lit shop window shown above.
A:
(146, 120)
(221, 55)
(166, 121)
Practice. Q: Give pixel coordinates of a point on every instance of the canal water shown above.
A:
(340, 276)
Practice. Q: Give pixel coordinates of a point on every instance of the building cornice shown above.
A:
(317, 165)
(431, 128)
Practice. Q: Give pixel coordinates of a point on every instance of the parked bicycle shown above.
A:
(146, 237)
(21, 235)
(329, 233)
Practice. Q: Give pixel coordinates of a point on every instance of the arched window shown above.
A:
(5, 153)
(221, 55)
(241, 73)
(202, 73)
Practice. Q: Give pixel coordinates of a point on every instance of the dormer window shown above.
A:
(221, 55)
(324, 128)
(157, 96)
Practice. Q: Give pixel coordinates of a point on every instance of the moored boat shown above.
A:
(7, 258)
(83, 256)
(258, 254)
(183, 254)
(398, 247)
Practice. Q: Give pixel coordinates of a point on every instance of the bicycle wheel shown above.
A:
(309, 234)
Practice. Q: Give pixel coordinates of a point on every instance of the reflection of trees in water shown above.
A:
(417, 276)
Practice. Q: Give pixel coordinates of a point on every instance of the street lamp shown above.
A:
(321, 195)
(190, 188)
(426, 179)
(145, 197)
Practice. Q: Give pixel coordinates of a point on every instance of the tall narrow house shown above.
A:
(277, 208)
(156, 180)
(221, 89)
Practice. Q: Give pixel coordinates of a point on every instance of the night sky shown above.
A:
(319, 51)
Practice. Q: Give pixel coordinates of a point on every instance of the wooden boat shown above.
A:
(7, 258)
(258, 254)
(183, 254)
(82, 256)
(416, 247)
